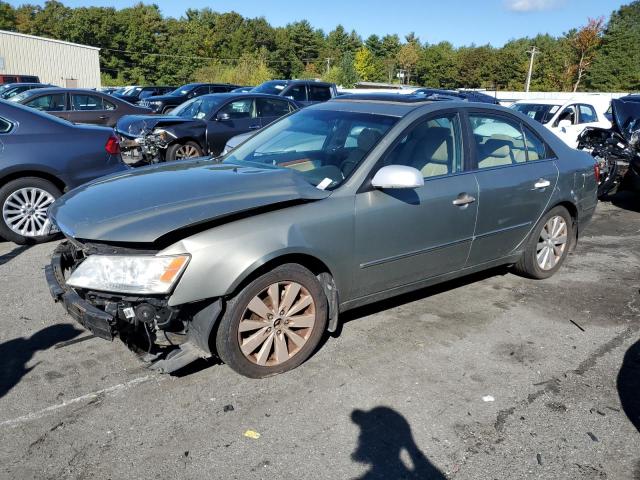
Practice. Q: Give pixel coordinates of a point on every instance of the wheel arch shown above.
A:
(17, 174)
(310, 261)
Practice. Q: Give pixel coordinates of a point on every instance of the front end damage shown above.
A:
(149, 136)
(167, 337)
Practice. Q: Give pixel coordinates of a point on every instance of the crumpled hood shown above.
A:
(142, 205)
(137, 125)
(626, 116)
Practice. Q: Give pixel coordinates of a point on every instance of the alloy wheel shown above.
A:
(186, 151)
(552, 242)
(276, 323)
(25, 212)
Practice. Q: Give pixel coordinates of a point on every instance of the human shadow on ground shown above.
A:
(384, 435)
(629, 384)
(16, 353)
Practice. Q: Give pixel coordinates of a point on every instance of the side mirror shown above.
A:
(397, 176)
(564, 123)
(634, 140)
(223, 117)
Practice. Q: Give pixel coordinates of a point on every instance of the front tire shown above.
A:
(548, 245)
(183, 151)
(23, 210)
(274, 324)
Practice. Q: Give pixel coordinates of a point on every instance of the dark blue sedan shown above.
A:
(42, 156)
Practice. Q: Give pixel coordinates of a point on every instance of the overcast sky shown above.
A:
(461, 22)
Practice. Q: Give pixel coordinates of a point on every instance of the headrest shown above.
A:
(497, 147)
(368, 138)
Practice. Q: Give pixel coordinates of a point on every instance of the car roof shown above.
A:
(36, 91)
(22, 84)
(398, 105)
(299, 80)
(245, 95)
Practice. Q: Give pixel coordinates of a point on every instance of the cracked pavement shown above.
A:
(398, 394)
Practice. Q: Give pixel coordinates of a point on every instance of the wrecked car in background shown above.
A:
(616, 149)
(335, 206)
(200, 126)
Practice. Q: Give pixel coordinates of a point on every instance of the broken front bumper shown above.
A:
(176, 337)
(100, 323)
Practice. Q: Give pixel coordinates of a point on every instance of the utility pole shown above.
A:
(531, 52)
(328, 64)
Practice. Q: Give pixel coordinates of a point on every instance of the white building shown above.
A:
(60, 63)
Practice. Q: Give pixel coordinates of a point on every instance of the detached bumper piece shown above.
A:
(100, 323)
(172, 338)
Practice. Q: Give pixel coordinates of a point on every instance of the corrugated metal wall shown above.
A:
(54, 62)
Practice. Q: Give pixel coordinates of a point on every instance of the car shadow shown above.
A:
(629, 384)
(384, 435)
(416, 295)
(7, 257)
(626, 199)
(16, 353)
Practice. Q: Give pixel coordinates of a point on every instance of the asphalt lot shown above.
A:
(477, 379)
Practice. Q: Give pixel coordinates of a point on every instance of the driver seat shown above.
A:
(366, 140)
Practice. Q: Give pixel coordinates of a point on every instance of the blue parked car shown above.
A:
(42, 156)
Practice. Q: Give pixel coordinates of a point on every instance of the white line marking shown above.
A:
(41, 413)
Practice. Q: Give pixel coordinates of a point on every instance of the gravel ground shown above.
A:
(490, 377)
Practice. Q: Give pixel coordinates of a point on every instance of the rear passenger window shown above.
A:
(48, 103)
(5, 125)
(319, 93)
(498, 141)
(86, 102)
(434, 147)
(269, 107)
(536, 148)
(297, 93)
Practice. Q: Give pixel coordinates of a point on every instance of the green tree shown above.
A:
(349, 74)
(617, 64)
(7, 17)
(365, 65)
(437, 66)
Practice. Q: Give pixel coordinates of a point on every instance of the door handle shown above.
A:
(463, 200)
(103, 117)
(254, 127)
(542, 183)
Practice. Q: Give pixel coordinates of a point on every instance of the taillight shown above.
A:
(113, 145)
(596, 172)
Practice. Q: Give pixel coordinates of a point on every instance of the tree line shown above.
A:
(141, 46)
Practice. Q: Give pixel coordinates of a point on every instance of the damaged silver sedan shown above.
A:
(335, 206)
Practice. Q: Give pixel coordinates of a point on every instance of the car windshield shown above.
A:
(6, 87)
(9, 92)
(19, 97)
(273, 87)
(542, 113)
(323, 146)
(132, 91)
(199, 107)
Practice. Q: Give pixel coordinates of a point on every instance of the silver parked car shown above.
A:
(335, 206)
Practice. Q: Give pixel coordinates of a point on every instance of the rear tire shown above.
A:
(23, 210)
(183, 151)
(276, 338)
(548, 245)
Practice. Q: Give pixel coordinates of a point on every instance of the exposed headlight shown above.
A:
(139, 274)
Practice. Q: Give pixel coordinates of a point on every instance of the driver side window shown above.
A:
(569, 113)
(433, 146)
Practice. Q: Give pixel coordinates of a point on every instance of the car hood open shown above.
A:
(626, 116)
(142, 205)
(138, 125)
